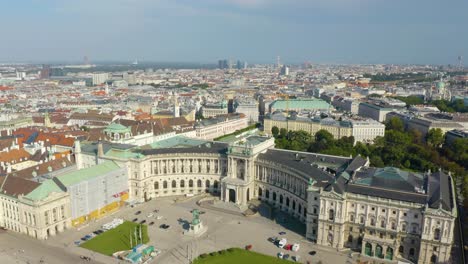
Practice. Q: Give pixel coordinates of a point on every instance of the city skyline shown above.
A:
(337, 31)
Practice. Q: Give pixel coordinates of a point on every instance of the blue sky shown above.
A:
(319, 31)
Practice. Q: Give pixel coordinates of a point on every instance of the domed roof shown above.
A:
(440, 85)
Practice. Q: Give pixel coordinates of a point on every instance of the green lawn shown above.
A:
(116, 239)
(237, 256)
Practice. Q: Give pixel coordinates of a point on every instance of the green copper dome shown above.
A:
(440, 85)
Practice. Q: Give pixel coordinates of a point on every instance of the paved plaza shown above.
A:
(225, 230)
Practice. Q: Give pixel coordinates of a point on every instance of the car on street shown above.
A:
(150, 215)
(280, 255)
(135, 219)
(155, 211)
(313, 252)
(151, 223)
(142, 221)
(164, 226)
(137, 212)
(282, 233)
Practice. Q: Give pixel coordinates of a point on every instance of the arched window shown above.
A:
(361, 219)
(351, 217)
(411, 252)
(156, 185)
(281, 199)
(372, 221)
(382, 223)
(182, 183)
(403, 227)
(433, 259)
(294, 205)
(207, 184)
(274, 196)
(299, 209)
(199, 184)
(260, 192)
(287, 201)
(215, 185)
(350, 238)
(174, 184)
(393, 226)
(401, 250)
(164, 184)
(437, 234)
(190, 183)
(331, 214)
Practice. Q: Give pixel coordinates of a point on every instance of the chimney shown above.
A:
(100, 150)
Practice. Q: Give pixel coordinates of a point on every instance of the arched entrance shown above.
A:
(232, 195)
(368, 249)
(378, 251)
(389, 254)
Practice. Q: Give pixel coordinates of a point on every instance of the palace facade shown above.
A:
(384, 213)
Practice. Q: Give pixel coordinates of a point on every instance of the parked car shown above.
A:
(280, 255)
(164, 226)
(282, 233)
(282, 242)
(155, 211)
(313, 252)
(248, 247)
(78, 242)
(288, 247)
(151, 223)
(142, 221)
(296, 247)
(135, 219)
(137, 212)
(150, 215)
(272, 239)
(296, 258)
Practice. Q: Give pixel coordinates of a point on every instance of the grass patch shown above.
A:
(116, 239)
(236, 256)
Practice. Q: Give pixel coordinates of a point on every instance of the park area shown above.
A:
(237, 255)
(116, 239)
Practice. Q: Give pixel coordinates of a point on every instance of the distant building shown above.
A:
(45, 72)
(299, 105)
(249, 109)
(100, 78)
(212, 128)
(375, 111)
(284, 70)
(212, 110)
(223, 64)
(362, 130)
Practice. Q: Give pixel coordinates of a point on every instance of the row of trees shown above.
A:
(399, 147)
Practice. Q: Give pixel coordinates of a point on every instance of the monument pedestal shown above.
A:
(196, 230)
(196, 227)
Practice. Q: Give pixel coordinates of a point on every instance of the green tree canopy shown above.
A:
(435, 137)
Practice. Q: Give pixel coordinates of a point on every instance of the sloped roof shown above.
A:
(43, 190)
(77, 176)
(15, 186)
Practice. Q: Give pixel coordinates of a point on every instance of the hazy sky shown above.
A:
(321, 31)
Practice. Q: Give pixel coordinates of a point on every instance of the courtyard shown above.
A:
(225, 230)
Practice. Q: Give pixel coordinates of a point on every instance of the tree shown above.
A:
(395, 123)
(275, 131)
(324, 136)
(435, 137)
(283, 132)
